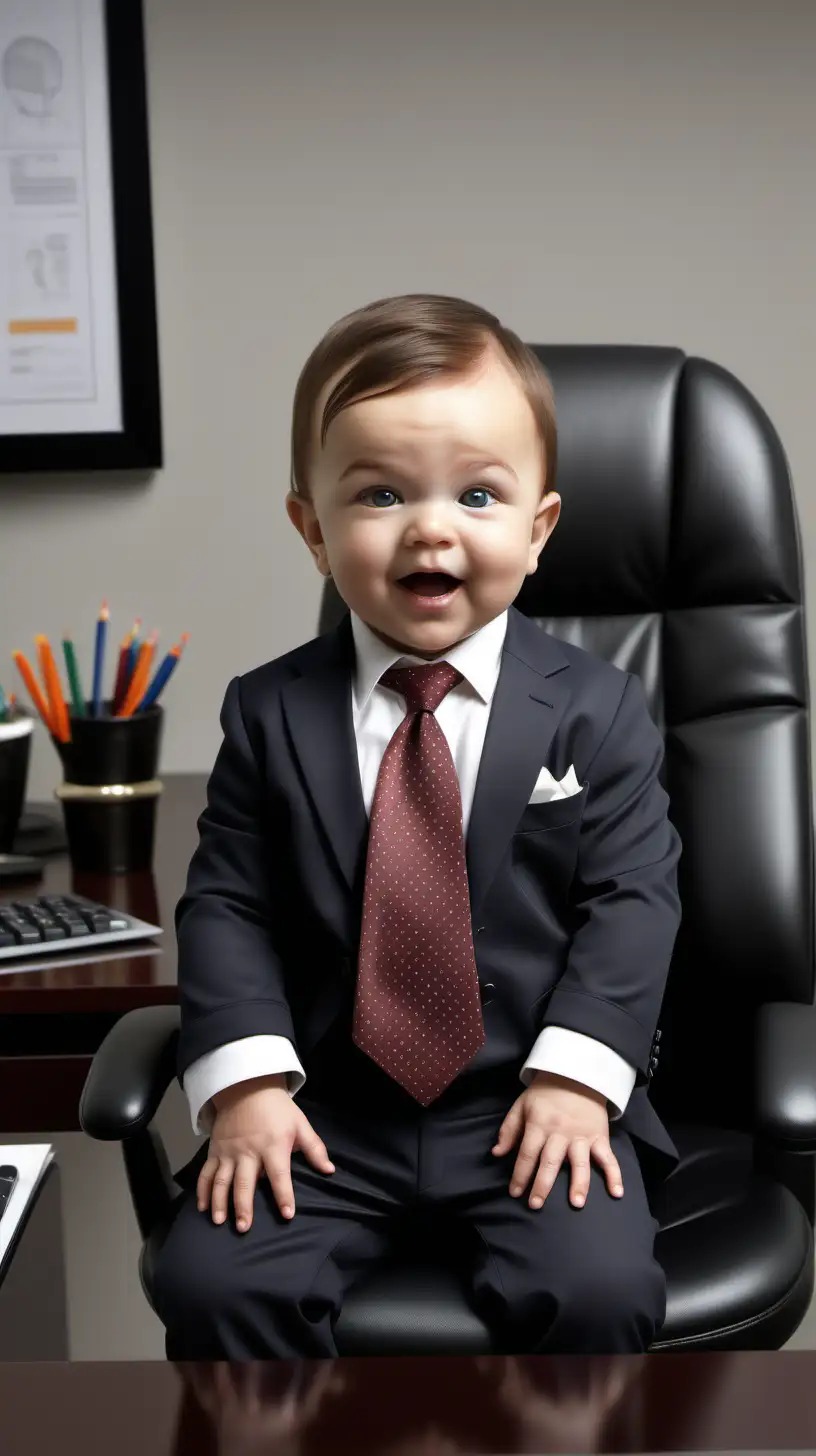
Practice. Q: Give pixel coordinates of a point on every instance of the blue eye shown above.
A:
(480, 490)
(378, 490)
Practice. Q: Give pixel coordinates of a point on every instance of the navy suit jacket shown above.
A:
(574, 903)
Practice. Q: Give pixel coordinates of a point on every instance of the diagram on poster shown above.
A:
(59, 363)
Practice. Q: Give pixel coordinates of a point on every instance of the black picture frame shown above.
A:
(138, 445)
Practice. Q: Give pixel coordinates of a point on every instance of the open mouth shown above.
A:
(430, 583)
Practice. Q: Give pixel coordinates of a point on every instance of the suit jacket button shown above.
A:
(486, 989)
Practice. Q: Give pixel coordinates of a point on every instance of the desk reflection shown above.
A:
(454, 1408)
(259, 1407)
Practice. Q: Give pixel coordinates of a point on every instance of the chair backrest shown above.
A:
(677, 556)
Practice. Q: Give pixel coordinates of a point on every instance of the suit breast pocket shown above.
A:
(558, 814)
(544, 851)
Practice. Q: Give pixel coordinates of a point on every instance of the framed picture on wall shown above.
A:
(79, 373)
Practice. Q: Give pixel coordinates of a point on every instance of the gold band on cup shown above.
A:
(108, 793)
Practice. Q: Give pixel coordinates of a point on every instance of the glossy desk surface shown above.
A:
(414, 1406)
(140, 975)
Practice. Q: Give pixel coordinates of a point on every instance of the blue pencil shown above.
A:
(133, 655)
(163, 672)
(99, 659)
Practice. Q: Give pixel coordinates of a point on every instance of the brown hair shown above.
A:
(396, 343)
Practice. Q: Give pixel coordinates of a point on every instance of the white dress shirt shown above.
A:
(462, 715)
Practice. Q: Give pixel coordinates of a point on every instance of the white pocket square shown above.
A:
(548, 788)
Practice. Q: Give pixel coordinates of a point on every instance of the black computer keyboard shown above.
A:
(64, 922)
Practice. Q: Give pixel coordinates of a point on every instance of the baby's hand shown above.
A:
(256, 1127)
(558, 1119)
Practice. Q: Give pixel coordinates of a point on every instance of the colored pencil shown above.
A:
(163, 672)
(3, 705)
(74, 680)
(128, 654)
(133, 655)
(138, 682)
(99, 658)
(56, 702)
(35, 693)
(120, 687)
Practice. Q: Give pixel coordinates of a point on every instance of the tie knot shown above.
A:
(423, 688)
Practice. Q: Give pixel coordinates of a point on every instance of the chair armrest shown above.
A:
(786, 1075)
(130, 1074)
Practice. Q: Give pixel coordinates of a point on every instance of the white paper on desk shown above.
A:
(31, 1161)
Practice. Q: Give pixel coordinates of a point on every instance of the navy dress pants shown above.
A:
(555, 1279)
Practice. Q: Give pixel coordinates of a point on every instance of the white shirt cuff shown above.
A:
(237, 1061)
(583, 1059)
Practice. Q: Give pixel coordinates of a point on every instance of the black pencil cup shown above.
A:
(15, 752)
(111, 790)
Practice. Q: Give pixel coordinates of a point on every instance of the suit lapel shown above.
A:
(531, 694)
(318, 711)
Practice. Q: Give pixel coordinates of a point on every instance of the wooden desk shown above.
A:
(414, 1406)
(53, 1019)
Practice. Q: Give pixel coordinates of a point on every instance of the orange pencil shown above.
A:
(24, 668)
(138, 682)
(56, 702)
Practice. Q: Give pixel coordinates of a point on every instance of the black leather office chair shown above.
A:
(677, 556)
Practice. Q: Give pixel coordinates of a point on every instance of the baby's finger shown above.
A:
(552, 1156)
(313, 1148)
(605, 1158)
(221, 1187)
(527, 1160)
(205, 1182)
(509, 1130)
(243, 1192)
(279, 1171)
(578, 1154)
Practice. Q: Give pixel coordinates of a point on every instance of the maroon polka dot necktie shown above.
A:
(417, 1011)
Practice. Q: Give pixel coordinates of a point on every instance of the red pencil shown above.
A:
(122, 673)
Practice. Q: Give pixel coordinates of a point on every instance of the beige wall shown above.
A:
(592, 170)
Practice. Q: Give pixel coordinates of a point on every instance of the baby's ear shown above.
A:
(303, 516)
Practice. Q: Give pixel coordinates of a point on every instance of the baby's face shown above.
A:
(443, 478)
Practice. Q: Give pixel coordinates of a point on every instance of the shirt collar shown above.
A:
(478, 658)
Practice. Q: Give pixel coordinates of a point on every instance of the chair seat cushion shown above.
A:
(737, 1249)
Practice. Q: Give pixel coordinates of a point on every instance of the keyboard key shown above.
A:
(23, 931)
(96, 920)
(73, 928)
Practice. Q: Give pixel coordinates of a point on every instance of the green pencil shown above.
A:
(77, 696)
